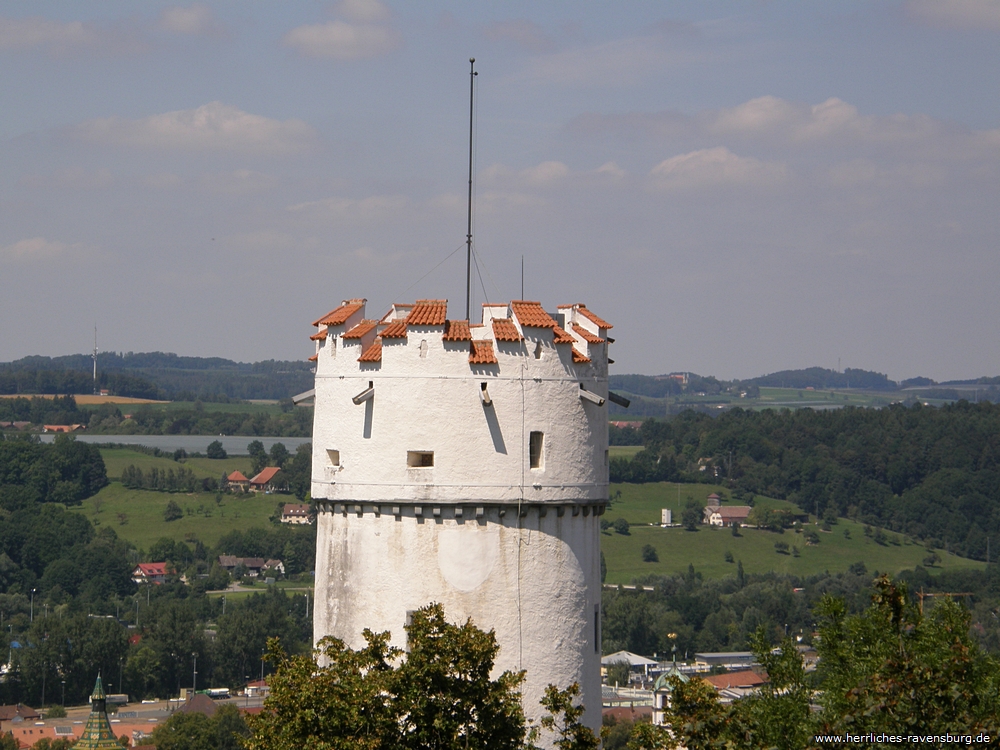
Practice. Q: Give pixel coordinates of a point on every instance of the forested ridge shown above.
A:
(931, 473)
(157, 375)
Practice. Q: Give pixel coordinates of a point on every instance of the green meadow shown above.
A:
(706, 549)
(117, 459)
(137, 515)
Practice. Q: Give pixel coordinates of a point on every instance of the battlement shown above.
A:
(520, 329)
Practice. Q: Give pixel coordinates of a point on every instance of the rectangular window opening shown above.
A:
(597, 628)
(419, 459)
(334, 457)
(535, 449)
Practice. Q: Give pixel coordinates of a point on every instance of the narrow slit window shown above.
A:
(332, 345)
(535, 441)
(538, 350)
(333, 456)
(423, 349)
(419, 459)
(597, 628)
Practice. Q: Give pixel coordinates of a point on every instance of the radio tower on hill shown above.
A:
(95, 360)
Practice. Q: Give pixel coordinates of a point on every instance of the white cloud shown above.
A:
(615, 63)
(363, 31)
(72, 178)
(238, 182)
(36, 248)
(957, 14)
(364, 11)
(374, 206)
(59, 38)
(716, 166)
(212, 127)
(545, 173)
(195, 19)
(524, 33)
(834, 118)
(612, 170)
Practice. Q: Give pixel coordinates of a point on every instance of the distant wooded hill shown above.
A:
(157, 375)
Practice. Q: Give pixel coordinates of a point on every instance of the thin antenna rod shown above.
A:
(468, 236)
(95, 359)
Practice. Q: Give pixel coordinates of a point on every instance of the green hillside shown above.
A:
(706, 548)
(203, 519)
(117, 459)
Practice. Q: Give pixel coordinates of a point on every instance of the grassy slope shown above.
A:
(116, 459)
(706, 548)
(207, 521)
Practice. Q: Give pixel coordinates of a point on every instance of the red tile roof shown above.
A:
(505, 330)
(579, 358)
(266, 475)
(531, 314)
(313, 358)
(319, 335)
(599, 322)
(587, 335)
(373, 353)
(482, 353)
(237, 476)
(428, 312)
(339, 316)
(152, 569)
(561, 337)
(743, 678)
(360, 329)
(457, 330)
(395, 330)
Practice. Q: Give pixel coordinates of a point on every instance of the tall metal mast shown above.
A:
(468, 236)
(95, 359)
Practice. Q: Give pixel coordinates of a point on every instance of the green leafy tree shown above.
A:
(215, 450)
(649, 553)
(173, 511)
(619, 673)
(621, 526)
(438, 695)
(691, 515)
(279, 455)
(258, 456)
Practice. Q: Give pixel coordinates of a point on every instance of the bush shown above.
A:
(649, 553)
(621, 526)
(729, 556)
(173, 511)
(215, 450)
(781, 548)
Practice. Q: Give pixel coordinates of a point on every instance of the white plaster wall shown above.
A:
(534, 580)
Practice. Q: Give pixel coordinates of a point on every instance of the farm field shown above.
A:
(203, 518)
(623, 451)
(706, 548)
(88, 399)
(117, 459)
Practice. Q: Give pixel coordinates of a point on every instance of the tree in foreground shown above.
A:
(438, 695)
(890, 669)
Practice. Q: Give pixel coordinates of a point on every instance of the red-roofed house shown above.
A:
(270, 479)
(150, 573)
(296, 513)
(236, 479)
(727, 515)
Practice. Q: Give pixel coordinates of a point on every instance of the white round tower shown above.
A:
(465, 465)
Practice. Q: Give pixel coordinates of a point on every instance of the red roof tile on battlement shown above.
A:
(340, 315)
(428, 312)
(582, 308)
(360, 329)
(561, 337)
(482, 353)
(395, 330)
(505, 330)
(373, 353)
(313, 358)
(457, 330)
(318, 336)
(579, 358)
(587, 335)
(531, 314)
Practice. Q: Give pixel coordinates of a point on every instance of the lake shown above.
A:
(234, 444)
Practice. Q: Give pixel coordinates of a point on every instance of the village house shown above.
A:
(155, 572)
(296, 513)
(236, 480)
(728, 515)
(254, 566)
(270, 479)
(52, 428)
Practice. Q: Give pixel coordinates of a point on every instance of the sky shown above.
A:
(739, 187)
